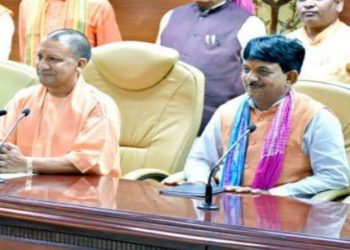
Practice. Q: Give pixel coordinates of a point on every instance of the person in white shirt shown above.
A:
(7, 29)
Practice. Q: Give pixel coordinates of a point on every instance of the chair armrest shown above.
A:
(146, 173)
(331, 195)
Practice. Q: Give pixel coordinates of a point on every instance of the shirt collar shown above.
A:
(327, 32)
(206, 12)
(273, 107)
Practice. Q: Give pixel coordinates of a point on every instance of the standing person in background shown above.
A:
(94, 18)
(7, 29)
(326, 40)
(210, 34)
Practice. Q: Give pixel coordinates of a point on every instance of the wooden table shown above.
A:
(90, 212)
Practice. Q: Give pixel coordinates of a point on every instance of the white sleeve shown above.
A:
(7, 29)
(205, 151)
(251, 28)
(323, 142)
(163, 23)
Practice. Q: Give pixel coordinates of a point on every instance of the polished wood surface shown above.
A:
(137, 19)
(132, 212)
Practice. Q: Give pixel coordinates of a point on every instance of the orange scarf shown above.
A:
(75, 18)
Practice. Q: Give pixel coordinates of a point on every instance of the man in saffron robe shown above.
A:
(72, 128)
(297, 148)
(94, 18)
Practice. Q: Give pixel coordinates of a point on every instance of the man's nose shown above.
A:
(42, 64)
(308, 3)
(251, 76)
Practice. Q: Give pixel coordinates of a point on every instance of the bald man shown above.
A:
(72, 128)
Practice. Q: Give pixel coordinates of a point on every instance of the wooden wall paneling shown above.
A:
(139, 20)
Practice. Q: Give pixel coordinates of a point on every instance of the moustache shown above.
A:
(254, 84)
(45, 73)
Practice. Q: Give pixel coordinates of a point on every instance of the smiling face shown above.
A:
(57, 67)
(319, 14)
(265, 82)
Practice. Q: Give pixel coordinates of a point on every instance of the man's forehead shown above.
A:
(56, 43)
(259, 64)
(63, 41)
(54, 47)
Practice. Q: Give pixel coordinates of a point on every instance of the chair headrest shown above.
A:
(134, 65)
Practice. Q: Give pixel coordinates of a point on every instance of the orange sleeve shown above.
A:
(106, 27)
(96, 150)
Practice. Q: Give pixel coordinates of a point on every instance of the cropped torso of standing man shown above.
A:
(94, 18)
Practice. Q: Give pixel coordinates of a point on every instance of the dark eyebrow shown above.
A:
(263, 68)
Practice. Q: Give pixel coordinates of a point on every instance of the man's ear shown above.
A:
(81, 63)
(292, 77)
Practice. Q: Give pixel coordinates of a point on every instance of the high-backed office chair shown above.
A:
(13, 77)
(160, 101)
(336, 96)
